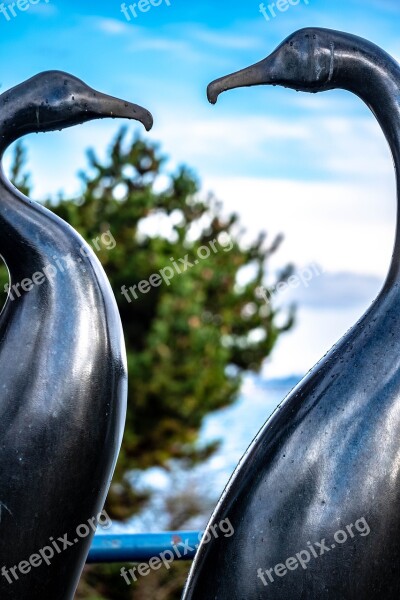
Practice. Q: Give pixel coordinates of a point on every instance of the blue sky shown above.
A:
(316, 168)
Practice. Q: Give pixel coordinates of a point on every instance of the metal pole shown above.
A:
(140, 547)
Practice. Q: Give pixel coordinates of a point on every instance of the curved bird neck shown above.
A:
(369, 72)
(26, 227)
(374, 76)
(32, 237)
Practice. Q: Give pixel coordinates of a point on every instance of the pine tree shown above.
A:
(193, 324)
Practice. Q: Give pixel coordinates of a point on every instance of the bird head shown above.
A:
(54, 100)
(304, 61)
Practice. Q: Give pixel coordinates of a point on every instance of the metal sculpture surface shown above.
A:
(315, 500)
(62, 363)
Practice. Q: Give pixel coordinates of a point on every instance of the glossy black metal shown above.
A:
(62, 363)
(328, 459)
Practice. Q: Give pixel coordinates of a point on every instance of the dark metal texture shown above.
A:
(62, 362)
(328, 459)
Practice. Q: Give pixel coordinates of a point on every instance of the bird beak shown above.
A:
(102, 106)
(258, 74)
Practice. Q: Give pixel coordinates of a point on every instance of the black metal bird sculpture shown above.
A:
(315, 501)
(62, 363)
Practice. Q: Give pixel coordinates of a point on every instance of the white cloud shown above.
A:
(201, 137)
(341, 226)
(323, 143)
(316, 332)
(163, 44)
(390, 5)
(139, 38)
(111, 26)
(43, 9)
(224, 39)
(326, 310)
(331, 291)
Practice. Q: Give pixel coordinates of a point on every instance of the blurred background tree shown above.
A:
(188, 343)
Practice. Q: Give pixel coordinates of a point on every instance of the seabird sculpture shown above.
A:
(63, 380)
(315, 500)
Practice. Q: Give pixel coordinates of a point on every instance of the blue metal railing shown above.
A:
(140, 547)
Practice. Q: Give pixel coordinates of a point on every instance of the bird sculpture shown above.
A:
(63, 381)
(315, 500)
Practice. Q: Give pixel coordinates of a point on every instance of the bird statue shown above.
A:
(63, 381)
(315, 501)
